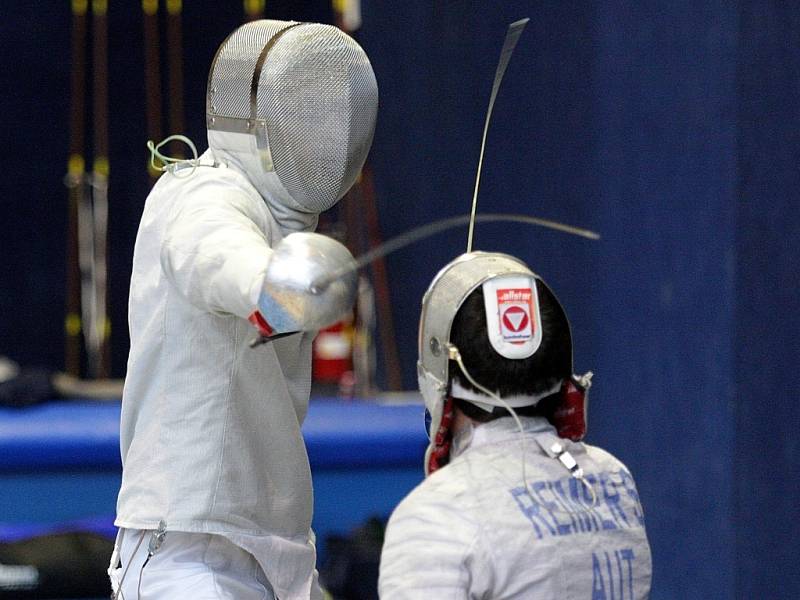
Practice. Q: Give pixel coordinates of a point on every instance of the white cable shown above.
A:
(563, 456)
(125, 572)
(170, 163)
(156, 539)
(454, 354)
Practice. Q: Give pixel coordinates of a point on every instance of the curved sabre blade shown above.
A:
(512, 37)
(430, 229)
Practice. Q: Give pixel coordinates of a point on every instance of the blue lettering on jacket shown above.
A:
(612, 575)
(532, 511)
(564, 506)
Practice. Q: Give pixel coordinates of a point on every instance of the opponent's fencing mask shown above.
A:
(304, 99)
(515, 331)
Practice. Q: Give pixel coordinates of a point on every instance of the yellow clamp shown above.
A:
(101, 166)
(75, 165)
(79, 7)
(254, 7)
(72, 324)
(105, 327)
(99, 7)
(150, 7)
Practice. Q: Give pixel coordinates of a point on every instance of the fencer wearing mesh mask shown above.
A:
(515, 506)
(216, 491)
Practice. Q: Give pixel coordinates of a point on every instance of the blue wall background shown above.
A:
(671, 128)
(766, 323)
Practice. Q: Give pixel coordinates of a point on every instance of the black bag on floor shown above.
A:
(350, 571)
(61, 565)
(28, 387)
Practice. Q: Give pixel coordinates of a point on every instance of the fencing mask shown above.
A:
(294, 104)
(515, 341)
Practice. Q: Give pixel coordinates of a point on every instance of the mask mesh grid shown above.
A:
(317, 95)
(233, 68)
(320, 127)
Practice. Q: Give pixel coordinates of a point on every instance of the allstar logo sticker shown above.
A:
(513, 322)
(515, 307)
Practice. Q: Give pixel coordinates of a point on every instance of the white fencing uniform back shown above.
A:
(472, 531)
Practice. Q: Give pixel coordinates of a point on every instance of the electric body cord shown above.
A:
(562, 455)
(156, 539)
(118, 595)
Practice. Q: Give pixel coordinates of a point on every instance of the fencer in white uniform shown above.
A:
(216, 495)
(515, 506)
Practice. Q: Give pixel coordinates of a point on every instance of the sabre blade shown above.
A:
(430, 229)
(512, 37)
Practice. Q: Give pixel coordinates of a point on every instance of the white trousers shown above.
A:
(191, 566)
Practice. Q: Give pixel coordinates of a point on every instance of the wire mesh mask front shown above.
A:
(308, 94)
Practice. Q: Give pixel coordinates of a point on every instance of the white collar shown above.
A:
(498, 430)
(487, 403)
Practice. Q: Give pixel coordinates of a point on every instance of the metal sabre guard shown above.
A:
(512, 37)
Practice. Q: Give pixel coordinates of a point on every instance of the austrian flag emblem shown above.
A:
(515, 311)
(513, 321)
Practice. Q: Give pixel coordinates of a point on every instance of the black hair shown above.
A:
(550, 364)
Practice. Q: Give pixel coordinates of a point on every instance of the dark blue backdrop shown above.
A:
(671, 128)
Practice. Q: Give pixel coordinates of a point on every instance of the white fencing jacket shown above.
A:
(472, 531)
(210, 433)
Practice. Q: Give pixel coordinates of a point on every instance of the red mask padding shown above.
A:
(440, 455)
(569, 417)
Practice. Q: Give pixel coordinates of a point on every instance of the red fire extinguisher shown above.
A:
(332, 361)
